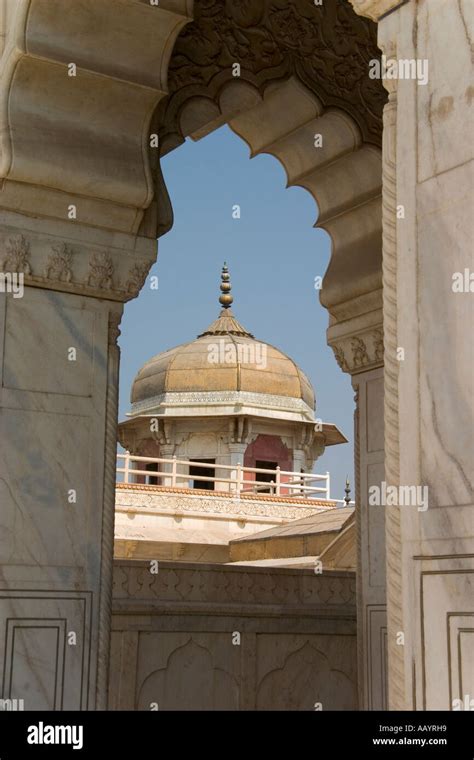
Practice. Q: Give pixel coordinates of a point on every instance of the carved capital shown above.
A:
(72, 260)
(136, 433)
(163, 433)
(240, 431)
(359, 350)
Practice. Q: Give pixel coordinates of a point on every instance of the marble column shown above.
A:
(167, 451)
(300, 461)
(371, 606)
(58, 412)
(429, 363)
(359, 351)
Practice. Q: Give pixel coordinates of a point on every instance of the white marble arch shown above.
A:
(79, 218)
(344, 177)
(79, 207)
(427, 391)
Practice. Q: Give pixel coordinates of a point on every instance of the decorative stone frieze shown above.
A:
(101, 271)
(172, 500)
(59, 263)
(134, 581)
(17, 255)
(73, 264)
(137, 277)
(359, 353)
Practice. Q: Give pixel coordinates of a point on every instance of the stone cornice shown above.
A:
(223, 403)
(178, 583)
(143, 495)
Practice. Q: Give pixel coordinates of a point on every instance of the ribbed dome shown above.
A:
(226, 364)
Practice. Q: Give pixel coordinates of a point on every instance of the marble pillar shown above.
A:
(58, 412)
(429, 363)
(167, 451)
(358, 347)
(436, 377)
(371, 588)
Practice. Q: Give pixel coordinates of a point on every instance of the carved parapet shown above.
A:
(330, 593)
(169, 500)
(79, 85)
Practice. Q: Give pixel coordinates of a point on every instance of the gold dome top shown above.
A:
(224, 366)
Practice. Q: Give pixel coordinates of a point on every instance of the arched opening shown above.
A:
(91, 99)
(330, 146)
(276, 260)
(302, 76)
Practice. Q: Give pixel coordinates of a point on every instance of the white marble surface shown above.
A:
(178, 651)
(52, 440)
(436, 377)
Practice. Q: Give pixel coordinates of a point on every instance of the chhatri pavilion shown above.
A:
(221, 441)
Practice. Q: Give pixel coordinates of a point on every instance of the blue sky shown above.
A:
(273, 253)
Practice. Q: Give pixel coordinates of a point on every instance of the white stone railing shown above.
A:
(235, 479)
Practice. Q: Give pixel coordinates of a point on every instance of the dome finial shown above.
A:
(225, 299)
(347, 490)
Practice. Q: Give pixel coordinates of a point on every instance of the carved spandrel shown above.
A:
(326, 46)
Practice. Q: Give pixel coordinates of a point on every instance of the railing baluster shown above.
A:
(297, 484)
(239, 479)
